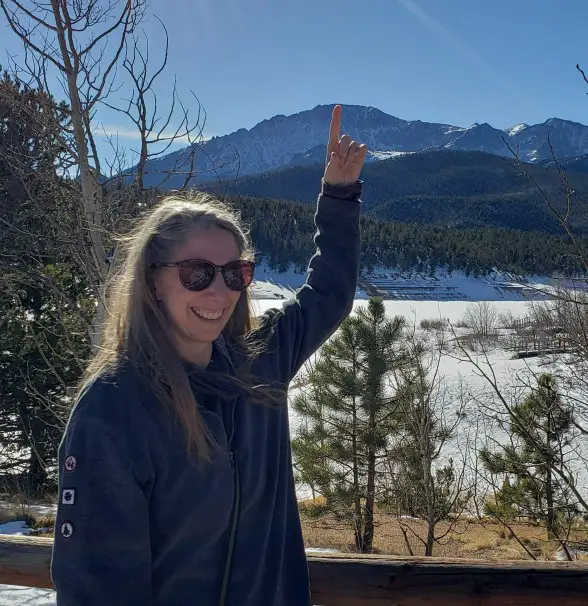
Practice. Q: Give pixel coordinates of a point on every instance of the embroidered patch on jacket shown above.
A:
(67, 529)
(70, 463)
(68, 496)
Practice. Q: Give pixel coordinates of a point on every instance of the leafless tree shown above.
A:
(81, 44)
(496, 404)
(157, 131)
(59, 219)
(482, 318)
(427, 480)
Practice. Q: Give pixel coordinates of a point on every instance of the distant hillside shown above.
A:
(448, 188)
(282, 233)
(578, 164)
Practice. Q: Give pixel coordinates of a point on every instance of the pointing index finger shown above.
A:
(335, 129)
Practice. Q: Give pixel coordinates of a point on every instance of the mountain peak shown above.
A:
(299, 138)
(483, 125)
(559, 122)
(516, 129)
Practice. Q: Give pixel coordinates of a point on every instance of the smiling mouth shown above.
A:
(208, 315)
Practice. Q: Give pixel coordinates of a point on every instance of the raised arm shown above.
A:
(326, 299)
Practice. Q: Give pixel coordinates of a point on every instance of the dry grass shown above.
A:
(9, 514)
(433, 323)
(470, 539)
(42, 525)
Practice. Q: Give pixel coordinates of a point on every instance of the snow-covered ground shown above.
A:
(23, 596)
(420, 310)
(26, 596)
(417, 287)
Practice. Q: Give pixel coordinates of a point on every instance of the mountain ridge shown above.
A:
(299, 138)
(464, 189)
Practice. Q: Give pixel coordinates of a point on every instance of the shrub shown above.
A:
(433, 323)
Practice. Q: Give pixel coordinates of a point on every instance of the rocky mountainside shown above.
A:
(300, 139)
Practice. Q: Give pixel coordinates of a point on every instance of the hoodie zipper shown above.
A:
(235, 513)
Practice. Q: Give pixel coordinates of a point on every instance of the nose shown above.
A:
(218, 285)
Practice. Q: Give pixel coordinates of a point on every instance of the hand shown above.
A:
(345, 157)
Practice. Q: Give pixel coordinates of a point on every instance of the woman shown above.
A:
(176, 483)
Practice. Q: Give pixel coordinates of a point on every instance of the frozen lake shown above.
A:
(419, 310)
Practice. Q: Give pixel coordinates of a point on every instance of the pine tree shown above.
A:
(43, 299)
(540, 431)
(349, 417)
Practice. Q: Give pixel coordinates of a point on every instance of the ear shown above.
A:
(152, 285)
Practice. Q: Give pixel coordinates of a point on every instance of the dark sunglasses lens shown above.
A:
(238, 275)
(196, 275)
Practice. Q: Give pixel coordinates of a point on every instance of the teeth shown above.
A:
(208, 315)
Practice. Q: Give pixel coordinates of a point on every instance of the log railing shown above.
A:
(345, 580)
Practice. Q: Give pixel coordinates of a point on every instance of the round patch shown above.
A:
(70, 463)
(67, 529)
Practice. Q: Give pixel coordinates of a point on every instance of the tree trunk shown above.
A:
(430, 499)
(368, 536)
(430, 534)
(358, 531)
(36, 475)
(429, 484)
(92, 199)
(551, 518)
(357, 517)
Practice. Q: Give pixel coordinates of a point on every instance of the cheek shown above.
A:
(161, 285)
(169, 290)
(234, 298)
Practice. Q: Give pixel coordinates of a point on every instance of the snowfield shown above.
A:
(25, 596)
(271, 290)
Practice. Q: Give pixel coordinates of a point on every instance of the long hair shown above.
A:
(136, 330)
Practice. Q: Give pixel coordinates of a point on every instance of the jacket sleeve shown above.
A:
(326, 299)
(101, 553)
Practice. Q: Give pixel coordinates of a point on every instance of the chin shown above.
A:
(207, 334)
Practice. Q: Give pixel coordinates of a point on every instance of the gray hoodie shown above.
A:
(139, 522)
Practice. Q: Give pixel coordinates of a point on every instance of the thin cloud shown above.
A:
(132, 134)
(465, 51)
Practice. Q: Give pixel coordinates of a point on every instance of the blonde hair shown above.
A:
(136, 330)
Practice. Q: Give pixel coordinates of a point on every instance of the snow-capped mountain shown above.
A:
(480, 137)
(300, 139)
(568, 140)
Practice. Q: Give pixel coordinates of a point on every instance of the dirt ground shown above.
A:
(469, 539)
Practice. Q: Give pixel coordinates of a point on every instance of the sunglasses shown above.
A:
(197, 274)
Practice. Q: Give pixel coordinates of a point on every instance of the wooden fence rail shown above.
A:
(344, 580)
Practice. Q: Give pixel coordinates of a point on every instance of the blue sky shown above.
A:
(452, 61)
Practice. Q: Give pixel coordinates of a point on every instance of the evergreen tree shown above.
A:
(350, 417)
(287, 237)
(540, 432)
(43, 300)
